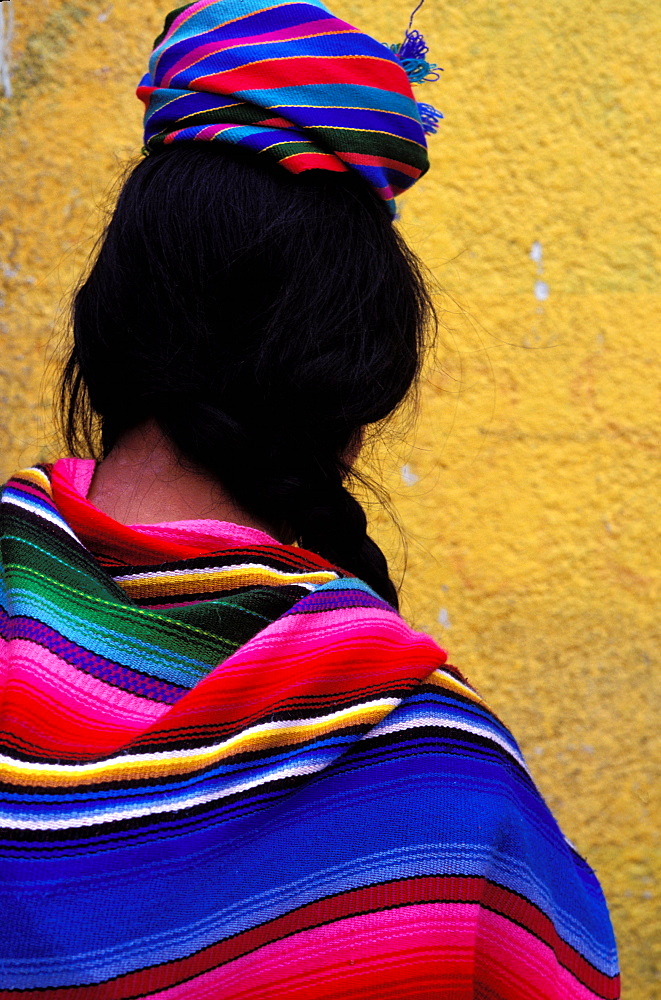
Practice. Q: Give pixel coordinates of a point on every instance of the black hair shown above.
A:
(263, 320)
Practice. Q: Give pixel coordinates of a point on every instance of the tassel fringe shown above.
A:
(430, 118)
(412, 54)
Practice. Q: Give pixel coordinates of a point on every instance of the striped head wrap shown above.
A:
(291, 81)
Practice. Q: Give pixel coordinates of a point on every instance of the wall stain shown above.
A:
(35, 70)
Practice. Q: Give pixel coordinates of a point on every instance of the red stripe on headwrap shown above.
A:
(273, 73)
(299, 162)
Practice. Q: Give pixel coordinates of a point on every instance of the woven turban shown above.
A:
(290, 81)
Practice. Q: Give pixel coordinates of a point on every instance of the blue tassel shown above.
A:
(412, 54)
(430, 118)
(413, 47)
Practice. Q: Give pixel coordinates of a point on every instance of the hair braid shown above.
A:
(337, 529)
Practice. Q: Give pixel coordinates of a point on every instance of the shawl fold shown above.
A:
(230, 770)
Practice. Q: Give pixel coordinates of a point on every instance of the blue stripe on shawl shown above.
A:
(223, 775)
(318, 842)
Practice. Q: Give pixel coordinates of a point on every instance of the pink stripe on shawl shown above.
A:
(78, 473)
(328, 654)
(53, 704)
(345, 641)
(447, 951)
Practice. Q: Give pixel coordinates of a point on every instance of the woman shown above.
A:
(230, 768)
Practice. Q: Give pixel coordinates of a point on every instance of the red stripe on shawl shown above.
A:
(52, 709)
(300, 31)
(371, 71)
(307, 664)
(470, 924)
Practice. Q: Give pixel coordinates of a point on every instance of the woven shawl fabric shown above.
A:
(290, 81)
(231, 771)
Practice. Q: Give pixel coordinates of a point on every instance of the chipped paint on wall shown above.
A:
(444, 618)
(409, 478)
(542, 290)
(6, 38)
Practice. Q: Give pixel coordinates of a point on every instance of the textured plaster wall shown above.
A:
(530, 490)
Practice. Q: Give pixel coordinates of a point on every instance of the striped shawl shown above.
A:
(231, 771)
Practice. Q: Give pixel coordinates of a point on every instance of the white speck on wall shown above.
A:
(6, 36)
(542, 291)
(9, 272)
(408, 476)
(537, 255)
(444, 618)
(104, 15)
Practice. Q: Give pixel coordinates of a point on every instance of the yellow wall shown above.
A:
(528, 494)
